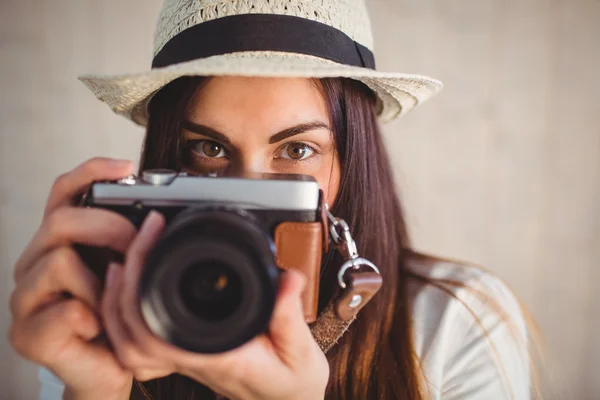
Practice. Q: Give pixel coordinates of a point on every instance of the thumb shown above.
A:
(288, 330)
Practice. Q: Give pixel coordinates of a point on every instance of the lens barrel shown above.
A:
(209, 284)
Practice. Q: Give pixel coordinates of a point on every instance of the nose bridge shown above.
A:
(246, 165)
(251, 156)
(255, 163)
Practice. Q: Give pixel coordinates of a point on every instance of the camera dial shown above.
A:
(159, 176)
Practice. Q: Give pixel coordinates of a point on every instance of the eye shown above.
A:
(209, 149)
(296, 151)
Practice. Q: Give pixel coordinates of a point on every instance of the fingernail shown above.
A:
(150, 225)
(298, 283)
(299, 278)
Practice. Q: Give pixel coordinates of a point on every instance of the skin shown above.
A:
(235, 125)
(248, 113)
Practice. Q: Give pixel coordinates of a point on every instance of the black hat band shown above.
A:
(263, 32)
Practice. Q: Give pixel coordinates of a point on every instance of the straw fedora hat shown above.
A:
(265, 38)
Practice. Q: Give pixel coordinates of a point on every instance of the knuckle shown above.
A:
(128, 356)
(62, 181)
(14, 302)
(55, 222)
(64, 256)
(143, 375)
(75, 312)
(61, 262)
(19, 341)
(44, 355)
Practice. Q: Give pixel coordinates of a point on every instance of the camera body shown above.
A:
(210, 282)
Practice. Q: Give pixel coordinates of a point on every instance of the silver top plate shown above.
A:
(299, 193)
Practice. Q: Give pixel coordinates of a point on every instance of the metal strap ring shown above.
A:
(334, 223)
(356, 264)
(335, 236)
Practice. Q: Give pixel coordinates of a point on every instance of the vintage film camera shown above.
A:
(209, 284)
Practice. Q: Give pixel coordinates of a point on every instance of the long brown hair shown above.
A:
(376, 358)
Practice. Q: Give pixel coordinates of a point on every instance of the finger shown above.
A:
(58, 272)
(118, 335)
(129, 354)
(134, 262)
(69, 225)
(45, 335)
(142, 244)
(69, 185)
(288, 330)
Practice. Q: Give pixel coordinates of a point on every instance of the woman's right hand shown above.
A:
(61, 332)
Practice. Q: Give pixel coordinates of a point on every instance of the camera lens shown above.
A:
(209, 284)
(211, 290)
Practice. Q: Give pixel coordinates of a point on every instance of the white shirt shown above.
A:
(460, 361)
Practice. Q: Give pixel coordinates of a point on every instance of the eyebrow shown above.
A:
(206, 131)
(278, 137)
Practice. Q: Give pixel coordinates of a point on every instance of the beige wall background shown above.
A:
(501, 169)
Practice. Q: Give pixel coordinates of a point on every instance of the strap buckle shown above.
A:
(357, 287)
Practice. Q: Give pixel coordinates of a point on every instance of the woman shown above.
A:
(282, 87)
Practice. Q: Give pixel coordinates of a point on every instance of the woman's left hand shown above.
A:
(285, 363)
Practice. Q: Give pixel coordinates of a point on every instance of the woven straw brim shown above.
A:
(129, 95)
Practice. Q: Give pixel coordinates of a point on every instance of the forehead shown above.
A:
(274, 103)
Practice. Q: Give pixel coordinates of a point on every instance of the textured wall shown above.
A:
(502, 169)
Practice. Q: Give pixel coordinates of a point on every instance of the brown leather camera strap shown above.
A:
(360, 288)
(328, 328)
(339, 314)
(300, 247)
